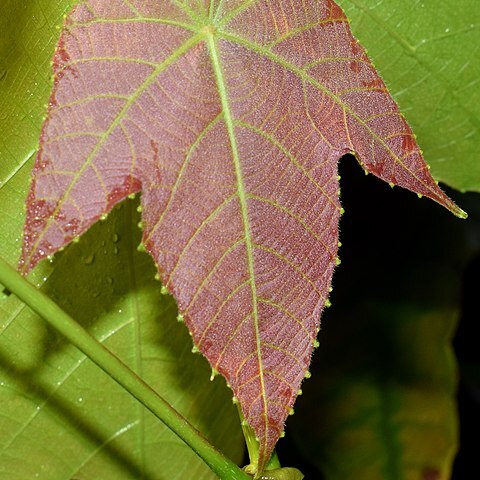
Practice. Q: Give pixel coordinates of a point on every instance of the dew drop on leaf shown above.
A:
(89, 259)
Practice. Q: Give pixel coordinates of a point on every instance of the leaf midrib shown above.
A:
(242, 196)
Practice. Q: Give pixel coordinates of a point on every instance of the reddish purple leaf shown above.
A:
(230, 117)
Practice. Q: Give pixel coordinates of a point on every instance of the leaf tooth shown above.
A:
(164, 290)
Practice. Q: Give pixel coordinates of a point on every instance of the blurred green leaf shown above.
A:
(64, 418)
(428, 54)
(385, 407)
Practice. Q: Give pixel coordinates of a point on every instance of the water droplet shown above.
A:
(115, 237)
(80, 399)
(110, 280)
(89, 259)
(115, 251)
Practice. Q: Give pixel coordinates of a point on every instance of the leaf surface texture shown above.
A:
(230, 117)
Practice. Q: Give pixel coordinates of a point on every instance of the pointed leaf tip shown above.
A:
(232, 134)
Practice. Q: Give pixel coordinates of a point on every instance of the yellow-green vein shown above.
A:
(229, 123)
(305, 77)
(181, 50)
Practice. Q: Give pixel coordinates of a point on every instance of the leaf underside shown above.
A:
(229, 117)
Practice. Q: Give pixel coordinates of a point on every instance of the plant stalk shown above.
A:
(115, 368)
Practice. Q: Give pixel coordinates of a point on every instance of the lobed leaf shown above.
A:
(230, 117)
(427, 55)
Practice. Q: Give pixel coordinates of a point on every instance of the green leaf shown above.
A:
(61, 412)
(427, 52)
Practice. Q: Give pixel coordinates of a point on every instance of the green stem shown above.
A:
(108, 362)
